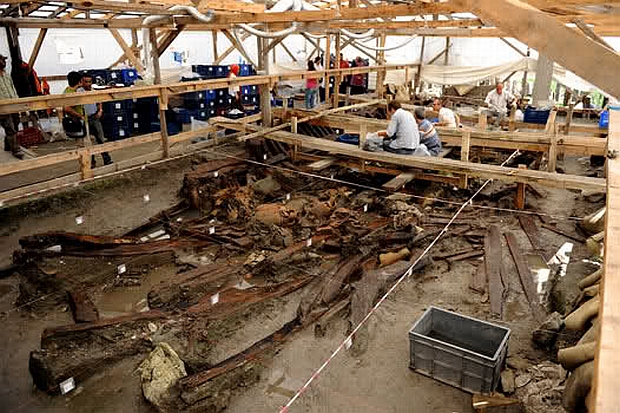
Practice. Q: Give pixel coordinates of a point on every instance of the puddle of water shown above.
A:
(115, 301)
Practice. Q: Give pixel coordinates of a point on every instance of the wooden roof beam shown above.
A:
(577, 53)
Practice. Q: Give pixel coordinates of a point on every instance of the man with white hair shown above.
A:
(497, 101)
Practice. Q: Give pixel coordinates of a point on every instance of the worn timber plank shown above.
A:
(321, 164)
(399, 181)
(525, 275)
(532, 232)
(493, 267)
(573, 236)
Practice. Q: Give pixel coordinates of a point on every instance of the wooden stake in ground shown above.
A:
(493, 266)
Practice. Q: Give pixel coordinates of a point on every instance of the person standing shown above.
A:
(94, 112)
(446, 116)
(344, 64)
(402, 135)
(429, 138)
(318, 66)
(358, 81)
(312, 85)
(497, 101)
(10, 121)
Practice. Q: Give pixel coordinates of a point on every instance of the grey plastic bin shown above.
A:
(458, 350)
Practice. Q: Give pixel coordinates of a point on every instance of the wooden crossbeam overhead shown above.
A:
(168, 39)
(135, 61)
(579, 54)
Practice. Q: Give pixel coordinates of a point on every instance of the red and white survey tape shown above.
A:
(349, 339)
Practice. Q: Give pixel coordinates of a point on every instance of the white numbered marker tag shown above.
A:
(146, 198)
(216, 174)
(288, 197)
(366, 208)
(211, 230)
(348, 343)
(121, 269)
(67, 385)
(79, 220)
(309, 242)
(215, 298)
(264, 157)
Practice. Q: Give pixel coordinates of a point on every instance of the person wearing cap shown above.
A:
(10, 121)
(235, 90)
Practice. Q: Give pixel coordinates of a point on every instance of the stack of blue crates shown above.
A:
(211, 71)
(118, 119)
(103, 77)
(145, 116)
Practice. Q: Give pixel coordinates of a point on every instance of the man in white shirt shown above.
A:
(497, 101)
(402, 135)
(446, 116)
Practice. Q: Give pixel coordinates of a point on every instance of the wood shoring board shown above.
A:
(525, 275)
(399, 181)
(503, 173)
(493, 267)
(532, 232)
(321, 164)
(307, 118)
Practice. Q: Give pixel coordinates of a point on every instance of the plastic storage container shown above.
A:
(458, 350)
(532, 115)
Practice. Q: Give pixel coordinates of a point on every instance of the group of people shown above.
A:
(411, 133)
(315, 86)
(82, 121)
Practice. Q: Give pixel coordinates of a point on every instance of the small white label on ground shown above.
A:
(143, 167)
(331, 176)
(211, 230)
(157, 233)
(288, 197)
(216, 174)
(264, 157)
(409, 272)
(179, 219)
(348, 343)
(146, 198)
(309, 242)
(79, 220)
(121, 269)
(67, 385)
(144, 239)
(215, 298)
(54, 248)
(366, 208)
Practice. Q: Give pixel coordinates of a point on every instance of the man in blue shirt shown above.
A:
(93, 112)
(429, 138)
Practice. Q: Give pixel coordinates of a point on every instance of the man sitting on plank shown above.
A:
(402, 135)
(429, 138)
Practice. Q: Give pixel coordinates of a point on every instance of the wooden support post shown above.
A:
(265, 89)
(445, 59)
(511, 119)
(214, 43)
(155, 58)
(338, 78)
(520, 196)
(127, 50)
(482, 120)
(294, 130)
(163, 105)
(326, 65)
(12, 37)
(348, 96)
(85, 165)
(285, 101)
(605, 382)
(37, 48)
(381, 74)
(408, 80)
(465, 145)
(416, 83)
(363, 133)
(552, 155)
(569, 118)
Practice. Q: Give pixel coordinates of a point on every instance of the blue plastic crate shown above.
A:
(199, 114)
(182, 115)
(533, 115)
(210, 95)
(280, 102)
(221, 71)
(246, 70)
(118, 106)
(249, 90)
(128, 76)
(116, 132)
(211, 112)
(250, 100)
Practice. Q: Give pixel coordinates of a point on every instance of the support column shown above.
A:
(265, 96)
(380, 61)
(12, 37)
(338, 78)
(155, 56)
(326, 63)
(524, 87)
(542, 85)
(416, 83)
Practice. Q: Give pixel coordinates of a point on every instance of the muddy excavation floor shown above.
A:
(376, 378)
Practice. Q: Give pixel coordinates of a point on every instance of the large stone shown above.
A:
(508, 381)
(546, 335)
(160, 372)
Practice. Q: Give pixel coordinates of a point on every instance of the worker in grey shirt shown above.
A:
(402, 135)
(94, 113)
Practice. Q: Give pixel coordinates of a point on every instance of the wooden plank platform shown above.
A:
(426, 163)
(321, 164)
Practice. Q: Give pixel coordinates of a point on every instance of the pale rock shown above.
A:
(160, 371)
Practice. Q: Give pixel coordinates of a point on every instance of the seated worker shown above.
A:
(446, 116)
(429, 138)
(402, 135)
(497, 101)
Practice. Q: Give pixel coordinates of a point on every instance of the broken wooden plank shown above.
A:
(574, 237)
(532, 232)
(525, 275)
(465, 256)
(478, 280)
(82, 307)
(399, 181)
(321, 164)
(449, 254)
(493, 267)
